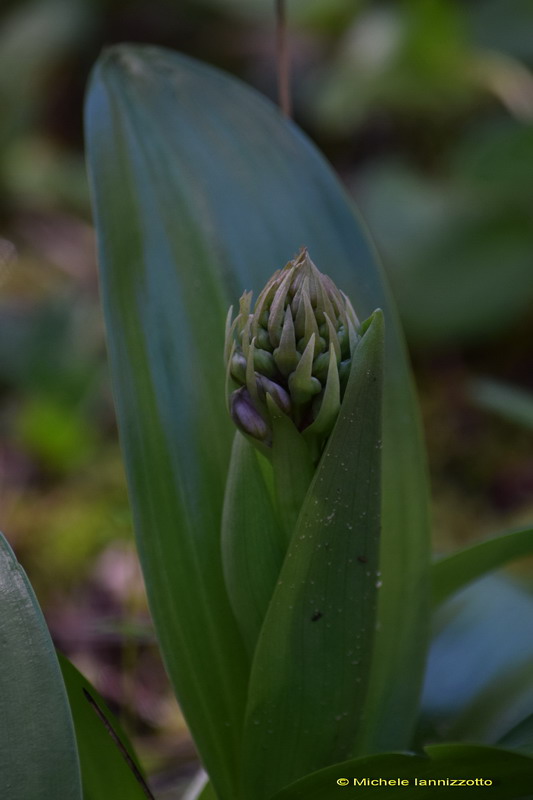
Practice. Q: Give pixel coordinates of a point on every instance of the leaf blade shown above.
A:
(510, 774)
(520, 738)
(230, 174)
(105, 774)
(451, 573)
(36, 724)
(151, 312)
(321, 620)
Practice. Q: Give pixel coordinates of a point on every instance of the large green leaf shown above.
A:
(202, 189)
(311, 668)
(510, 775)
(105, 774)
(165, 312)
(456, 571)
(38, 755)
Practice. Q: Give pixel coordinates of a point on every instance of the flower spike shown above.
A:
(295, 347)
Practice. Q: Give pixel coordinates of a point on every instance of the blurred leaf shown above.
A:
(435, 52)
(500, 703)
(410, 57)
(494, 158)
(463, 268)
(38, 173)
(195, 201)
(34, 36)
(38, 755)
(510, 402)
(105, 774)
(311, 667)
(49, 348)
(55, 434)
(520, 738)
(453, 572)
(511, 774)
(478, 681)
(476, 283)
(502, 27)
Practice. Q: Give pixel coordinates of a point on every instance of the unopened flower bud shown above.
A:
(296, 347)
(245, 415)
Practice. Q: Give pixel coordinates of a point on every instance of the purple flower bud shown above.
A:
(245, 416)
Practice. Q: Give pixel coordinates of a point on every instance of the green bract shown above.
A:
(292, 353)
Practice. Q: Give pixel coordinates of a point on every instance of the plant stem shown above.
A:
(284, 89)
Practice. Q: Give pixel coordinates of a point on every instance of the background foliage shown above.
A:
(426, 111)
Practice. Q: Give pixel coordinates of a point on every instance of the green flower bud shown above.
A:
(295, 346)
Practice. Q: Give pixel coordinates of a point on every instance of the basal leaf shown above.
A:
(311, 667)
(202, 189)
(158, 281)
(38, 755)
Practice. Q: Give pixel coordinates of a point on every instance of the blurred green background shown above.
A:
(425, 108)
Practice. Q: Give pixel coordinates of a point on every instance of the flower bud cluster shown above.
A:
(291, 353)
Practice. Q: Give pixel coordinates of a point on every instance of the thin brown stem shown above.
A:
(284, 87)
(124, 753)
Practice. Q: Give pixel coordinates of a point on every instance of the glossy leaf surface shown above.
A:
(165, 312)
(38, 755)
(201, 189)
(311, 667)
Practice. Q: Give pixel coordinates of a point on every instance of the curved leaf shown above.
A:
(201, 189)
(105, 774)
(478, 681)
(38, 755)
(310, 672)
(456, 571)
(509, 775)
(170, 404)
